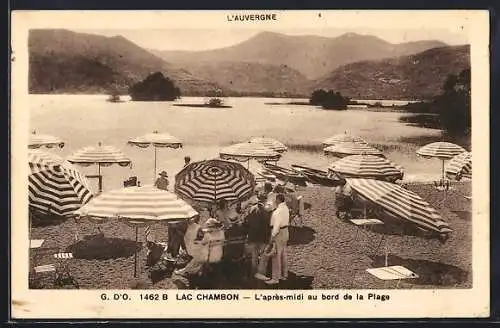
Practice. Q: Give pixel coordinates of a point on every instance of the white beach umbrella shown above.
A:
(45, 140)
(352, 148)
(246, 151)
(156, 140)
(366, 166)
(137, 206)
(270, 143)
(344, 137)
(101, 156)
(441, 150)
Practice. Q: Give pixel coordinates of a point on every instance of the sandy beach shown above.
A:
(322, 252)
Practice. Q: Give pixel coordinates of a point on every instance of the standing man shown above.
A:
(187, 160)
(257, 227)
(280, 219)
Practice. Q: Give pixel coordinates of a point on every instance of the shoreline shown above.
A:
(195, 96)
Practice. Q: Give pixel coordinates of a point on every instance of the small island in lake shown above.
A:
(155, 87)
(114, 98)
(215, 100)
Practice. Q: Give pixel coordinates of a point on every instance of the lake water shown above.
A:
(82, 120)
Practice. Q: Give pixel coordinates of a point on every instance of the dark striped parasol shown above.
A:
(212, 180)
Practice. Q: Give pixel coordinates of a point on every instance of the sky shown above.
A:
(205, 39)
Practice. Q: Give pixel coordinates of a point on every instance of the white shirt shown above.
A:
(280, 218)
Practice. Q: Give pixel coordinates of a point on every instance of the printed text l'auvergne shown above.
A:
(251, 17)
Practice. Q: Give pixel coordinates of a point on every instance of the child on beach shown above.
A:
(162, 181)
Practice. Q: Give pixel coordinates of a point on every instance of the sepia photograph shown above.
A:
(252, 156)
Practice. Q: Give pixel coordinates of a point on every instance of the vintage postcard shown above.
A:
(250, 164)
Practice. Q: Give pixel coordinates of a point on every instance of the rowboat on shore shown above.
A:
(284, 174)
(318, 176)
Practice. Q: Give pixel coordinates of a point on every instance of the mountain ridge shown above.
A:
(414, 77)
(63, 61)
(96, 63)
(309, 54)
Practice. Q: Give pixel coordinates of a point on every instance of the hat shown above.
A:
(212, 223)
(253, 200)
(163, 174)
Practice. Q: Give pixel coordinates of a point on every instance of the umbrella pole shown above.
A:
(154, 173)
(442, 170)
(99, 177)
(386, 254)
(444, 187)
(135, 254)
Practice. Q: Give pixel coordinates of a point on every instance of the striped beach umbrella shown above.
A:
(344, 149)
(212, 180)
(344, 137)
(246, 151)
(271, 143)
(146, 204)
(367, 166)
(39, 140)
(55, 187)
(441, 150)
(137, 206)
(156, 140)
(460, 166)
(400, 204)
(101, 156)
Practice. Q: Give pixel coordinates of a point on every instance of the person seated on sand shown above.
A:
(344, 198)
(162, 181)
(204, 245)
(154, 253)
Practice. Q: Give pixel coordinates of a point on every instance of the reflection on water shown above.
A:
(83, 120)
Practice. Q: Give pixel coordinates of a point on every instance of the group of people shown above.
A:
(268, 234)
(259, 226)
(263, 223)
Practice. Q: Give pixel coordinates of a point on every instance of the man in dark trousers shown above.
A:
(257, 226)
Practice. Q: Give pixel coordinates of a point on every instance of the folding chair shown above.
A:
(391, 273)
(63, 273)
(364, 226)
(297, 210)
(130, 182)
(37, 271)
(36, 243)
